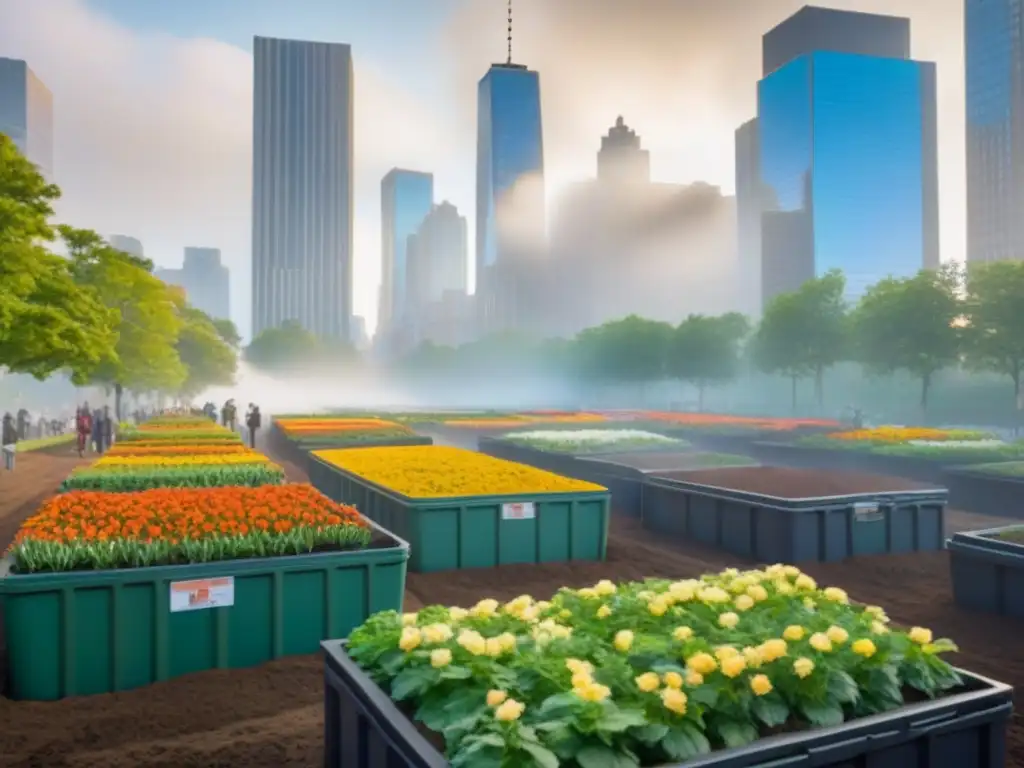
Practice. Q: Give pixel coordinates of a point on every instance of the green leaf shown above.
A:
(706, 695)
(770, 710)
(479, 756)
(685, 741)
(594, 756)
(842, 688)
(559, 705)
(452, 672)
(413, 681)
(615, 720)
(544, 757)
(822, 714)
(736, 734)
(650, 734)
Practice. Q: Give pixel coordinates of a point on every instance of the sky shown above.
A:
(153, 101)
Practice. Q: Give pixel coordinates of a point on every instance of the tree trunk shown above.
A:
(118, 392)
(1016, 399)
(792, 385)
(926, 383)
(819, 387)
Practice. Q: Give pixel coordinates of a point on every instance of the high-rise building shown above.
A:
(749, 206)
(206, 282)
(442, 250)
(26, 113)
(302, 186)
(406, 198)
(127, 244)
(846, 134)
(621, 158)
(994, 56)
(510, 192)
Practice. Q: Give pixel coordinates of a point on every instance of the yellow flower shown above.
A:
(507, 641)
(744, 603)
(509, 710)
(724, 652)
(791, 571)
(410, 639)
(733, 666)
(683, 591)
(702, 663)
(437, 633)
(542, 605)
(674, 700)
(920, 635)
(820, 642)
(581, 679)
(794, 632)
(645, 595)
(693, 679)
(493, 647)
(760, 685)
(753, 657)
(575, 666)
(473, 642)
(623, 640)
(673, 679)
(836, 595)
(713, 595)
(440, 657)
(657, 607)
(682, 634)
(773, 649)
(803, 581)
(728, 620)
(565, 613)
(878, 628)
(592, 691)
(784, 588)
(803, 666)
(809, 604)
(409, 619)
(485, 608)
(587, 593)
(495, 697)
(864, 647)
(457, 614)
(605, 587)
(647, 682)
(837, 635)
(876, 612)
(758, 592)
(603, 612)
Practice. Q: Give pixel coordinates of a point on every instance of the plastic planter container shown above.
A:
(799, 526)
(86, 632)
(565, 464)
(985, 493)
(987, 572)
(364, 728)
(477, 531)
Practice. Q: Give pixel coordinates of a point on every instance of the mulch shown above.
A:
(272, 715)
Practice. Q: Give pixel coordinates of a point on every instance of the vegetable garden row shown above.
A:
(181, 550)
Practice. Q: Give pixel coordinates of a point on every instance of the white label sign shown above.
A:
(525, 510)
(202, 593)
(866, 510)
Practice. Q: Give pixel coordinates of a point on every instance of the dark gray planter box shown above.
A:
(987, 572)
(985, 493)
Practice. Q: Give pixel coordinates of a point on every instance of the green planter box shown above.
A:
(477, 531)
(85, 632)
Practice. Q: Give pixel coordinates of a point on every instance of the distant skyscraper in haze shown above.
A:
(126, 244)
(509, 191)
(26, 113)
(406, 198)
(443, 250)
(206, 282)
(749, 206)
(302, 186)
(621, 158)
(994, 57)
(846, 135)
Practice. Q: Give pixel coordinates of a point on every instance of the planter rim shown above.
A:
(12, 583)
(968, 470)
(401, 728)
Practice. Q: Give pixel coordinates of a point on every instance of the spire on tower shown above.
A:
(509, 32)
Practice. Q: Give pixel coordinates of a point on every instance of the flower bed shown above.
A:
(172, 448)
(180, 460)
(941, 445)
(298, 427)
(181, 436)
(128, 478)
(647, 674)
(996, 490)
(520, 419)
(582, 441)
(726, 424)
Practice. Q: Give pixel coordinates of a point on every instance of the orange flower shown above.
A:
(714, 419)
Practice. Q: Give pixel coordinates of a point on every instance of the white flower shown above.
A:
(984, 443)
(589, 436)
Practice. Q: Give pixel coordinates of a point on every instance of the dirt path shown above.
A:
(36, 475)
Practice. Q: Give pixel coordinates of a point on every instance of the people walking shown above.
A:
(83, 424)
(106, 431)
(252, 422)
(9, 441)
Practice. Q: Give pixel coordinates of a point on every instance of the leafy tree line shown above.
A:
(99, 315)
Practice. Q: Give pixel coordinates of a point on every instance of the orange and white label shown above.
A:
(202, 593)
(525, 510)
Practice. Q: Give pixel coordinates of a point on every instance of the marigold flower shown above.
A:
(837, 635)
(794, 632)
(623, 640)
(728, 620)
(803, 667)
(702, 663)
(920, 635)
(734, 666)
(674, 700)
(410, 639)
(682, 634)
(440, 657)
(744, 603)
(864, 647)
(495, 697)
(760, 685)
(673, 679)
(820, 642)
(603, 612)
(647, 682)
(509, 710)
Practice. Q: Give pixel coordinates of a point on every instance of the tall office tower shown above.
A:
(848, 159)
(406, 198)
(206, 282)
(127, 244)
(509, 193)
(749, 207)
(621, 159)
(443, 251)
(26, 113)
(994, 57)
(302, 186)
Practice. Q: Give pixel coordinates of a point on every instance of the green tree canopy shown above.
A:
(208, 358)
(994, 319)
(706, 350)
(282, 347)
(631, 350)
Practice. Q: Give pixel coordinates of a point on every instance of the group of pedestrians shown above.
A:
(96, 428)
(229, 418)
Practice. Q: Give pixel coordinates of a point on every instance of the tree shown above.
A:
(631, 350)
(208, 359)
(706, 350)
(777, 346)
(46, 322)
(147, 310)
(994, 319)
(284, 346)
(910, 324)
(228, 332)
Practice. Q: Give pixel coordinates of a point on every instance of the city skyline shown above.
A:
(26, 113)
(688, 125)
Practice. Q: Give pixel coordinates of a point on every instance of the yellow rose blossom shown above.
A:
(753, 657)
(820, 642)
(603, 612)
(760, 685)
(410, 639)
(728, 620)
(485, 608)
(773, 649)
(733, 666)
(837, 635)
(836, 595)
(605, 587)
(473, 642)
(492, 646)
(758, 592)
(440, 657)
(864, 647)
(713, 595)
(809, 604)
(877, 613)
(784, 588)
(803, 667)
(803, 581)
(542, 605)
(409, 619)
(791, 571)
(623, 640)
(920, 635)
(495, 697)
(509, 710)
(693, 679)
(457, 614)
(683, 591)
(507, 641)
(576, 666)
(794, 632)
(647, 682)
(581, 679)
(744, 603)
(673, 679)
(878, 628)
(565, 613)
(682, 634)
(724, 652)
(588, 593)
(437, 633)
(730, 573)
(674, 700)
(657, 607)
(592, 692)
(702, 663)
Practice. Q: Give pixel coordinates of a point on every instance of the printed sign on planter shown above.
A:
(523, 510)
(202, 593)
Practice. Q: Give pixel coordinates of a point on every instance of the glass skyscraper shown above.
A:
(26, 113)
(302, 186)
(407, 197)
(994, 55)
(509, 188)
(847, 155)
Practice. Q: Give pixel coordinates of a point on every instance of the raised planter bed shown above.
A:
(78, 633)
(552, 461)
(987, 569)
(477, 531)
(985, 492)
(782, 514)
(363, 727)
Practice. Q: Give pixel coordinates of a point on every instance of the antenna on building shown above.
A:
(509, 31)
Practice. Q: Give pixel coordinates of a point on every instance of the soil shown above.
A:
(791, 483)
(664, 461)
(273, 715)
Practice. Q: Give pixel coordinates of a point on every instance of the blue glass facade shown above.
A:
(26, 113)
(848, 162)
(406, 199)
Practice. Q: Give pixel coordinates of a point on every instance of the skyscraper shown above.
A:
(847, 143)
(749, 206)
(443, 253)
(302, 186)
(509, 189)
(621, 159)
(127, 244)
(406, 198)
(994, 56)
(26, 113)
(206, 282)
